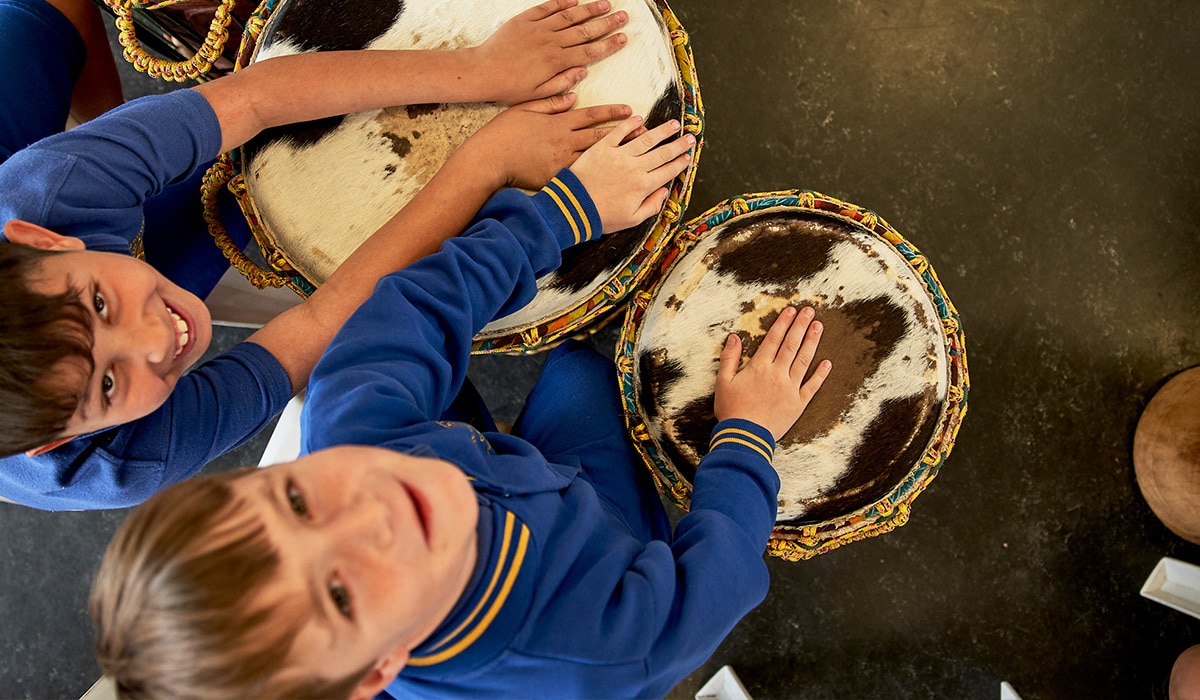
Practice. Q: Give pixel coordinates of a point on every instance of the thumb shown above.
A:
(554, 104)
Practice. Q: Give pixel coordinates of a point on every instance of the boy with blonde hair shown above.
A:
(410, 557)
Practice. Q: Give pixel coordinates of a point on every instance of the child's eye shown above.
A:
(296, 500)
(341, 598)
(107, 382)
(99, 304)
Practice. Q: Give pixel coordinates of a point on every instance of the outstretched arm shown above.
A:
(539, 53)
(525, 146)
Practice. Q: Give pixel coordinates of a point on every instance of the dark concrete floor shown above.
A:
(1045, 157)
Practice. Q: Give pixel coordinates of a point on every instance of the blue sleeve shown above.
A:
(216, 407)
(90, 182)
(402, 357)
(674, 602)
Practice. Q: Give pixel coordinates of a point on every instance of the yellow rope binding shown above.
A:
(178, 71)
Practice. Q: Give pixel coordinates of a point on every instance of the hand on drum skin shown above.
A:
(531, 142)
(543, 51)
(770, 390)
(626, 178)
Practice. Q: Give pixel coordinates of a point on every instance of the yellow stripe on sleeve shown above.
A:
(587, 225)
(566, 212)
(739, 441)
(738, 431)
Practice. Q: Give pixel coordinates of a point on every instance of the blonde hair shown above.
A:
(176, 603)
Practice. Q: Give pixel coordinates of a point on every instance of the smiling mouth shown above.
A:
(182, 333)
(419, 509)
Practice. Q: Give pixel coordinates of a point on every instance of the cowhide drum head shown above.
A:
(316, 191)
(885, 418)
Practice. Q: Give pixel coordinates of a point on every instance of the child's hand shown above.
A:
(542, 51)
(626, 180)
(531, 142)
(770, 390)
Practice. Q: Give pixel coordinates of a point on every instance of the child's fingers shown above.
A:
(647, 141)
(809, 389)
(599, 114)
(594, 29)
(562, 82)
(651, 205)
(593, 51)
(622, 129)
(731, 357)
(775, 335)
(548, 8)
(801, 344)
(553, 104)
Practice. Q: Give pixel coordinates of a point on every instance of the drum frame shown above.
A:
(893, 510)
(580, 319)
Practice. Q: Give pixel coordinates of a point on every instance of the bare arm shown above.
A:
(524, 146)
(539, 53)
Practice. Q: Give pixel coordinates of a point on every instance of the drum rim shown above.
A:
(575, 320)
(794, 543)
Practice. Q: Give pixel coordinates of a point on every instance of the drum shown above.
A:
(184, 39)
(359, 170)
(878, 430)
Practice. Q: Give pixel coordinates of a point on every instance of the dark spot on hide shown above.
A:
(585, 262)
(400, 145)
(332, 26)
(656, 374)
(894, 443)
(416, 134)
(389, 169)
(688, 440)
(668, 106)
(300, 135)
(774, 249)
(414, 111)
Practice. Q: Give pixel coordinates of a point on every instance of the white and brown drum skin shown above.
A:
(886, 417)
(315, 191)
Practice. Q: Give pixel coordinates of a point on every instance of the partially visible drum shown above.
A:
(182, 40)
(314, 192)
(886, 418)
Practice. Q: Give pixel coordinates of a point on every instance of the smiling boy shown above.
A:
(407, 556)
(97, 408)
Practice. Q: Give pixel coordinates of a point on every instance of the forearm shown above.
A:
(310, 86)
(441, 210)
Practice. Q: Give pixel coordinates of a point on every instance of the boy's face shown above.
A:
(147, 331)
(375, 549)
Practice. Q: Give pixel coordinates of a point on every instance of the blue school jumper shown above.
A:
(571, 595)
(106, 182)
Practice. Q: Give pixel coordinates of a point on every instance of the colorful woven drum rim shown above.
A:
(889, 512)
(604, 302)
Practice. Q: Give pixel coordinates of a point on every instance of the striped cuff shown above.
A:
(565, 200)
(743, 435)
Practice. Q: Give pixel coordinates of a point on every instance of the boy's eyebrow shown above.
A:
(275, 497)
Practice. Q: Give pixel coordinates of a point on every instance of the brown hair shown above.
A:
(176, 603)
(45, 342)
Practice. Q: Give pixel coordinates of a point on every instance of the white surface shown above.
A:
(103, 689)
(724, 685)
(1007, 692)
(1175, 584)
(284, 443)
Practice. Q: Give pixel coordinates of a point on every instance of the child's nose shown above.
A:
(151, 337)
(368, 522)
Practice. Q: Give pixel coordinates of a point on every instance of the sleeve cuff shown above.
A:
(567, 206)
(743, 435)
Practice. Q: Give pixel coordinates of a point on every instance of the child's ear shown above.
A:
(34, 236)
(47, 447)
(381, 674)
